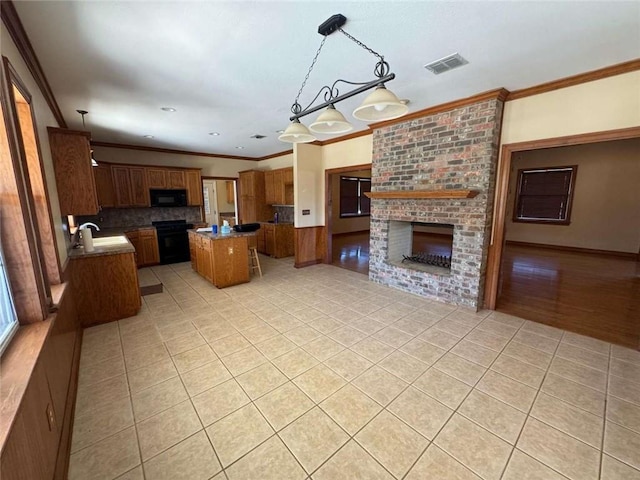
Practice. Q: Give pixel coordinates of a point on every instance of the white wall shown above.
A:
(43, 118)
(606, 203)
(607, 104)
(283, 161)
(308, 174)
(211, 166)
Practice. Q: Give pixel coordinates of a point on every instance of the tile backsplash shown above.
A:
(132, 217)
(285, 214)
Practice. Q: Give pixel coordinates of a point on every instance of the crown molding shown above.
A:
(499, 94)
(599, 74)
(170, 150)
(14, 26)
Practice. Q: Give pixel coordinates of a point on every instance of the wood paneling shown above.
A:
(104, 186)
(39, 377)
(444, 193)
(71, 156)
(310, 246)
(105, 287)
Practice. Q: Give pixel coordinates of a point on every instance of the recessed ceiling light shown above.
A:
(257, 136)
(239, 148)
(279, 131)
(168, 109)
(215, 134)
(405, 101)
(148, 136)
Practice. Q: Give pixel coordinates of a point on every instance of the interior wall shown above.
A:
(283, 161)
(43, 118)
(346, 225)
(607, 104)
(606, 202)
(308, 174)
(211, 166)
(355, 151)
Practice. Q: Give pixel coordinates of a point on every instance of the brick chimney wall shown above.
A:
(456, 149)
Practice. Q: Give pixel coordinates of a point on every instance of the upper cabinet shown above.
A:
(252, 205)
(278, 186)
(130, 185)
(176, 179)
(71, 154)
(104, 186)
(157, 178)
(194, 188)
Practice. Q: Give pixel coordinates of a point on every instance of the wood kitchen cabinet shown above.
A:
(176, 179)
(278, 186)
(71, 154)
(157, 178)
(104, 186)
(130, 185)
(194, 188)
(276, 239)
(252, 206)
(145, 241)
(223, 260)
(231, 194)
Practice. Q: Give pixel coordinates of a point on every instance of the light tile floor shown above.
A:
(319, 373)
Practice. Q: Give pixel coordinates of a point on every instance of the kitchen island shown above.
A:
(221, 259)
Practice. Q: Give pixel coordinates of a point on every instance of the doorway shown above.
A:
(219, 198)
(584, 276)
(348, 217)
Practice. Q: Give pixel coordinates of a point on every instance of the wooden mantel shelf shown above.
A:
(416, 194)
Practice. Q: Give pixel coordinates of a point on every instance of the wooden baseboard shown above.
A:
(307, 264)
(357, 232)
(64, 448)
(591, 251)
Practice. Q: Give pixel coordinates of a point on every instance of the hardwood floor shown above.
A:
(351, 251)
(593, 295)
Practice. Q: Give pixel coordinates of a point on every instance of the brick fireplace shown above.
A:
(435, 155)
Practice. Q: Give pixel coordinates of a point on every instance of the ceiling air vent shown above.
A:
(257, 136)
(445, 64)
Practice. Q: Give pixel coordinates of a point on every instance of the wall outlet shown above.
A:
(306, 212)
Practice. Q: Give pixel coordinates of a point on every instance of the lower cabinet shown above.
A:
(224, 261)
(276, 239)
(145, 241)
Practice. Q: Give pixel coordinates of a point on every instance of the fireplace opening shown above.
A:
(421, 246)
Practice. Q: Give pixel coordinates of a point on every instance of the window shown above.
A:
(353, 201)
(544, 195)
(8, 317)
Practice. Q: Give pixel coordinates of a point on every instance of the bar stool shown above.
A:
(254, 261)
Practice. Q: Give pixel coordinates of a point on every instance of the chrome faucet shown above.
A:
(89, 224)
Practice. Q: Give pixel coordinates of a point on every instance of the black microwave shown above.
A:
(168, 198)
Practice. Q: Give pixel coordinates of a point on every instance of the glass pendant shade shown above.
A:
(296, 133)
(380, 105)
(331, 121)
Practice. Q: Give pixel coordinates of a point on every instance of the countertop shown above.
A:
(219, 236)
(274, 223)
(99, 251)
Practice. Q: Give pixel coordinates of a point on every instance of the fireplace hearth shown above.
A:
(428, 259)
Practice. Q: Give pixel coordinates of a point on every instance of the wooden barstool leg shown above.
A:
(255, 260)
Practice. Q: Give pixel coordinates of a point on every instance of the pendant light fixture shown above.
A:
(83, 113)
(380, 105)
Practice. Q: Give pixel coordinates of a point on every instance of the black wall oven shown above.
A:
(173, 241)
(168, 198)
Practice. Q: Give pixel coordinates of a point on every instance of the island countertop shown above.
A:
(220, 236)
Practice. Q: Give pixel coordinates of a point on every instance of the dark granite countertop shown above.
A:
(219, 236)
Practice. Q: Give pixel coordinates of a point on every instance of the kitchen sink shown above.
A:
(110, 241)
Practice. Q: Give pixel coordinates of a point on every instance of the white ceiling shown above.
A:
(234, 67)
